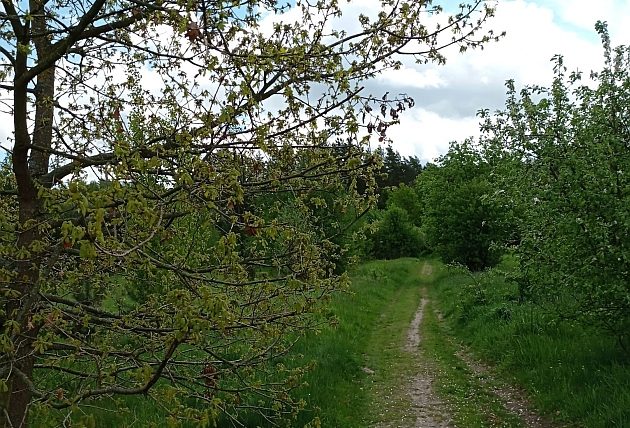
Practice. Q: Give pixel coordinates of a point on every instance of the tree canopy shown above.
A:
(462, 223)
(166, 170)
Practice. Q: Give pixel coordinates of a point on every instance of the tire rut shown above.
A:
(429, 410)
(513, 399)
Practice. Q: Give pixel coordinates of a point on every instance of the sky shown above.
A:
(447, 97)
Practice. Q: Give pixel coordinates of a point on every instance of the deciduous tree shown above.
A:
(197, 118)
(567, 148)
(461, 221)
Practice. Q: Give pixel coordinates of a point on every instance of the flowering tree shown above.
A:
(565, 157)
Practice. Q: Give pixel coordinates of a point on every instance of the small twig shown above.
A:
(136, 247)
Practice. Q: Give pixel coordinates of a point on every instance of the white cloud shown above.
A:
(426, 134)
(536, 31)
(411, 77)
(584, 13)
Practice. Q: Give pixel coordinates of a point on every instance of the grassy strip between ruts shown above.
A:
(471, 401)
(574, 374)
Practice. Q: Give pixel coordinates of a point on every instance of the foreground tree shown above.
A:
(185, 269)
(566, 156)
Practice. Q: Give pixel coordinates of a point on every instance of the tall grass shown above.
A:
(576, 374)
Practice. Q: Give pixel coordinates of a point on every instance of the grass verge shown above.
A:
(574, 374)
(358, 364)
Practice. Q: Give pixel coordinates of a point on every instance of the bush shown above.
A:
(394, 236)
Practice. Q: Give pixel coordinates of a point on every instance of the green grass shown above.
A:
(574, 374)
(471, 401)
(373, 321)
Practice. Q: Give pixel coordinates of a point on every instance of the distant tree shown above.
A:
(201, 117)
(395, 236)
(400, 169)
(462, 223)
(396, 170)
(406, 197)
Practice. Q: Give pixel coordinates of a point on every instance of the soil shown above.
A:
(428, 409)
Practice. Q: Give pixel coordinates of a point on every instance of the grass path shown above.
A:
(402, 387)
(421, 378)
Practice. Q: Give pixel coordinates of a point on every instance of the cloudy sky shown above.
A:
(447, 97)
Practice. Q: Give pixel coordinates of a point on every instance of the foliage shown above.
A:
(571, 372)
(394, 236)
(568, 156)
(462, 224)
(215, 127)
(406, 198)
(397, 170)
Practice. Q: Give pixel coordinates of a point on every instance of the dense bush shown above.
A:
(394, 236)
(407, 198)
(569, 156)
(462, 224)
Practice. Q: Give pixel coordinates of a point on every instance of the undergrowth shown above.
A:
(575, 374)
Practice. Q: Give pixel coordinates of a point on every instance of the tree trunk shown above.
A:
(27, 167)
(16, 400)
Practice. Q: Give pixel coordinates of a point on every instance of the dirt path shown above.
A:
(427, 409)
